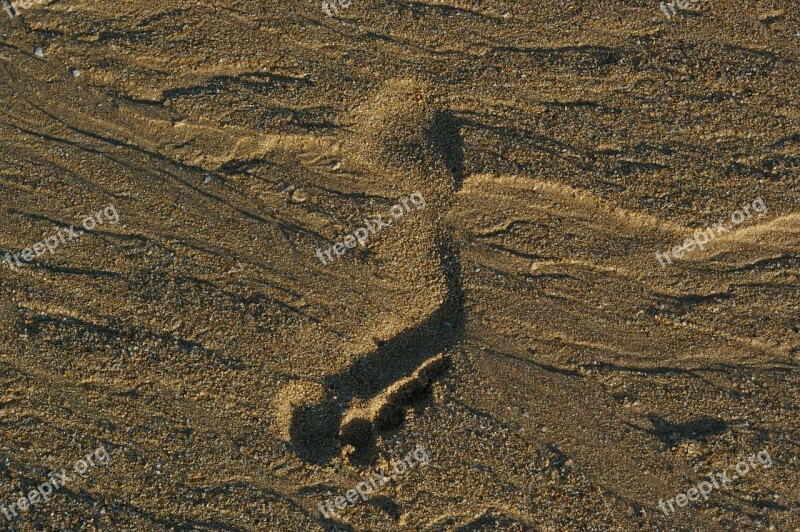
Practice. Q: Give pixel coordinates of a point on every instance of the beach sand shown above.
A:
(508, 317)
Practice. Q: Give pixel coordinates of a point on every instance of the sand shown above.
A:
(513, 168)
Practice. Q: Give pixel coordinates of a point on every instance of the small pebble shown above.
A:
(39, 52)
(76, 72)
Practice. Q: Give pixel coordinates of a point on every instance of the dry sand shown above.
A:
(517, 329)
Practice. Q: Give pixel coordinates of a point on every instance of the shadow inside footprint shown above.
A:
(445, 135)
(313, 431)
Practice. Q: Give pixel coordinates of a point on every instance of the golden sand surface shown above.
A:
(464, 265)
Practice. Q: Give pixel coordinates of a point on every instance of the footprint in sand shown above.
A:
(371, 395)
